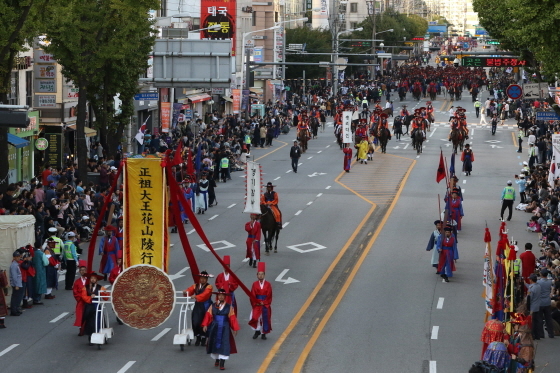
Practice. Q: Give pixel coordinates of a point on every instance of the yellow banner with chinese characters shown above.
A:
(145, 213)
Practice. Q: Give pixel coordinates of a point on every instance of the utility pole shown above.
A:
(371, 11)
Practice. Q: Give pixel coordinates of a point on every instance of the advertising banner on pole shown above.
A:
(145, 238)
(218, 13)
(253, 188)
(346, 127)
(165, 116)
(236, 100)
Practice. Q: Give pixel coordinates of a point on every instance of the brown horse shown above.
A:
(303, 137)
(458, 139)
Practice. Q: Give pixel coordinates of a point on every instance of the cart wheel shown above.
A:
(189, 341)
(182, 347)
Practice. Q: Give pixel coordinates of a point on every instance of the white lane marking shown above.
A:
(431, 134)
(433, 368)
(277, 178)
(230, 206)
(191, 231)
(310, 157)
(440, 303)
(327, 146)
(213, 217)
(286, 223)
(320, 151)
(245, 260)
(126, 367)
(59, 317)
(5, 351)
(178, 274)
(328, 187)
(308, 203)
(299, 164)
(464, 181)
(417, 156)
(472, 134)
(161, 334)
(297, 213)
(435, 330)
(406, 146)
(462, 190)
(288, 171)
(319, 195)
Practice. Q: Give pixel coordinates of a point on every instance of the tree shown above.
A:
(19, 20)
(525, 27)
(315, 41)
(85, 36)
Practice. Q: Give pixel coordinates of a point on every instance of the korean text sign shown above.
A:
(145, 215)
(220, 16)
(346, 127)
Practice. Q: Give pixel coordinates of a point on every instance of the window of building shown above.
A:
(353, 7)
(353, 25)
(14, 89)
(29, 88)
(254, 19)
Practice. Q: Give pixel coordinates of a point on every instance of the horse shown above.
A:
(397, 127)
(384, 135)
(417, 92)
(417, 141)
(458, 139)
(433, 92)
(406, 122)
(314, 127)
(402, 93)
(427, 124)
(303, 137)
(269, 228)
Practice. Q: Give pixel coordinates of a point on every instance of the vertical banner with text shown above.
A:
(236, 93)
(253, 201)
(165, 116)
(145, 213)
(219, 16)
(555, 164)
(346, 127)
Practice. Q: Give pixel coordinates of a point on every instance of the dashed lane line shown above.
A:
(298, 212)
(440, 303)
(161, 334)
(230, 206)
(62, 315)
(126, 367)
(6, 350)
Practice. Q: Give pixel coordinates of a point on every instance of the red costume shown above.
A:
(77, 288)
(261, 315)
(226, 282)
(528, 264)
(347, 158)
(253, 229)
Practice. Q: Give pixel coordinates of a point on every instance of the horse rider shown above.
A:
(463, 122)
(404, 112)
(361, 131)
(430, 111)
(417, 124)
(338, 117)
(383, 123)
(270, 199)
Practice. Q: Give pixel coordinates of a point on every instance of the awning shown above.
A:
(228, 99)
(18, 142)
(88, 131)
(199, 97)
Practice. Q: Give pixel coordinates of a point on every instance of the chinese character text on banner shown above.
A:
(346, 127)
(253, 201)
(145, 214)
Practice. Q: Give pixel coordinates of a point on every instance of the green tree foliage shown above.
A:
(316, 41)
(527, 27)
(19, 20)
(96, 42)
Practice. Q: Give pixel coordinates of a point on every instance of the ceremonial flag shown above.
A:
(452, 165)
(441, 169)
(190, 165)
(178, 158)
(140, 135)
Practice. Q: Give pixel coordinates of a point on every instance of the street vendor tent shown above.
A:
(15, 231)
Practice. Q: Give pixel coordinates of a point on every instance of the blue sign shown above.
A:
(147, 96)
(437, 28)
(547, 115)
(514, 91)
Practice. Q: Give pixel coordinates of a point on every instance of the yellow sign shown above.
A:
(145, 213)
(409, 43)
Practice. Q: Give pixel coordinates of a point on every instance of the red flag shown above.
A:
(178, 158)
(441, 169)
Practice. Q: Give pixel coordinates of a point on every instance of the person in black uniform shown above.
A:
(295, 154)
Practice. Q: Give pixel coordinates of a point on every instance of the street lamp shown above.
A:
(335, 56)
(304, 19)
(245, 59)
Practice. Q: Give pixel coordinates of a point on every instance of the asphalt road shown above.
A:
(365, 297)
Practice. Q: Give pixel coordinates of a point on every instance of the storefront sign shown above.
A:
(46, 100)
(53, 153)
(41, 144)
(45, 86)
(218, 13)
